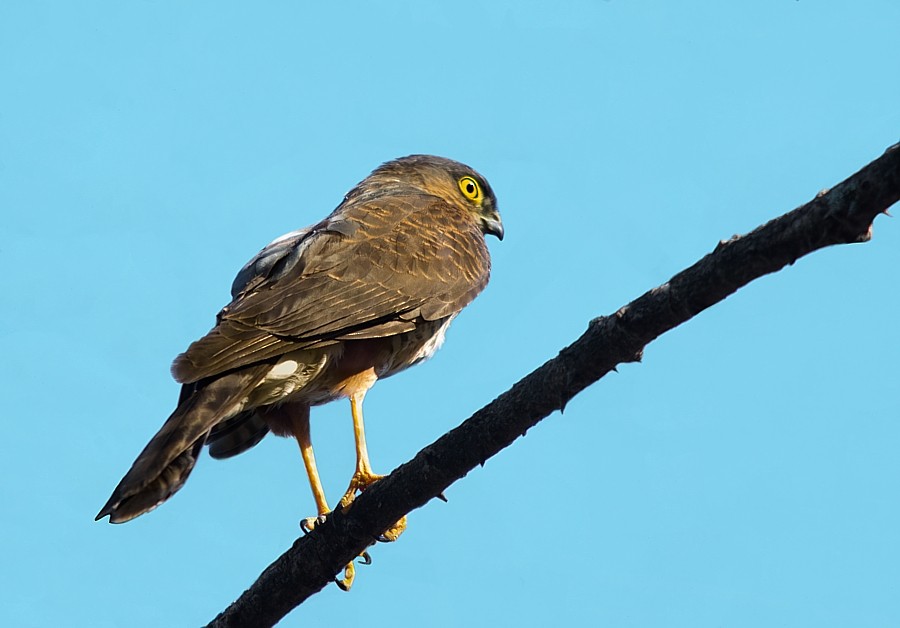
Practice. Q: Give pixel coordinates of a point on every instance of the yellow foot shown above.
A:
(310, 523)
(350, 572)
(360, 482)
(393, 533)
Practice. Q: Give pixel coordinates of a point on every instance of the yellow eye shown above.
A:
(470, 189)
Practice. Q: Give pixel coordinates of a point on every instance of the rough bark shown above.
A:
(841, 215)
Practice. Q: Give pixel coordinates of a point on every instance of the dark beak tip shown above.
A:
(495, 228)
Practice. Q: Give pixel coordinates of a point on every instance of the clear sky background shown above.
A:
(746, 474)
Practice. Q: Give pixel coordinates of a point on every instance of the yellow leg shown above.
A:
(364, 477)
(304, 439)
(302, 433)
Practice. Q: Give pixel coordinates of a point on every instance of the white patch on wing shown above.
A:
(290, 374)
(284, 368)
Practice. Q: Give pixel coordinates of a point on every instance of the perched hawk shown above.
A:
(322, 313)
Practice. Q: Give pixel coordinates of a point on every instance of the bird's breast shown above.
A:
(415, 346)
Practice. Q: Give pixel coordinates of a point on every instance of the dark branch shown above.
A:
(839, 216)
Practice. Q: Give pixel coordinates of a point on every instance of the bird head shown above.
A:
(451, 180)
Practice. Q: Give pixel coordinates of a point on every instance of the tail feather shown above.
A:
(167, 460)
(158, 490)
(236, 435)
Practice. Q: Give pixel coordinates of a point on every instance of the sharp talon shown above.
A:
(350, 572)
(309, 524)
(347, 581)
(393, 533)
(442, 498)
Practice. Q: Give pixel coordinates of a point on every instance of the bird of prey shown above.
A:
(322, 313)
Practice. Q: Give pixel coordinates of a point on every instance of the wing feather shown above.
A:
(389, 263)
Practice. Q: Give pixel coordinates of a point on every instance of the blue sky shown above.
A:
(745, 474)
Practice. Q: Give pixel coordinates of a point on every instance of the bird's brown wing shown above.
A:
(372, 269)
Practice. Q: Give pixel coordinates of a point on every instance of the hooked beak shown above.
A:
(493, 225)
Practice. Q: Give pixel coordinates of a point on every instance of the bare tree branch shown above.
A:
(841, 215)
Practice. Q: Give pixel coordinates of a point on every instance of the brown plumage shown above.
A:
(322, 313)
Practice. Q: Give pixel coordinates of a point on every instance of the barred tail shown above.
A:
(165, 463)
(236, 435)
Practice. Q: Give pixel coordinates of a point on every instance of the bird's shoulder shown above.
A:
(396, 234)
(372, 268)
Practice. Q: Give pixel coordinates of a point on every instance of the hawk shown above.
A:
(322, 313)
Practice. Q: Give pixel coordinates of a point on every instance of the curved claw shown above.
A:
(350, 571)
(347, 581)
(393, 533)
(309, 524)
